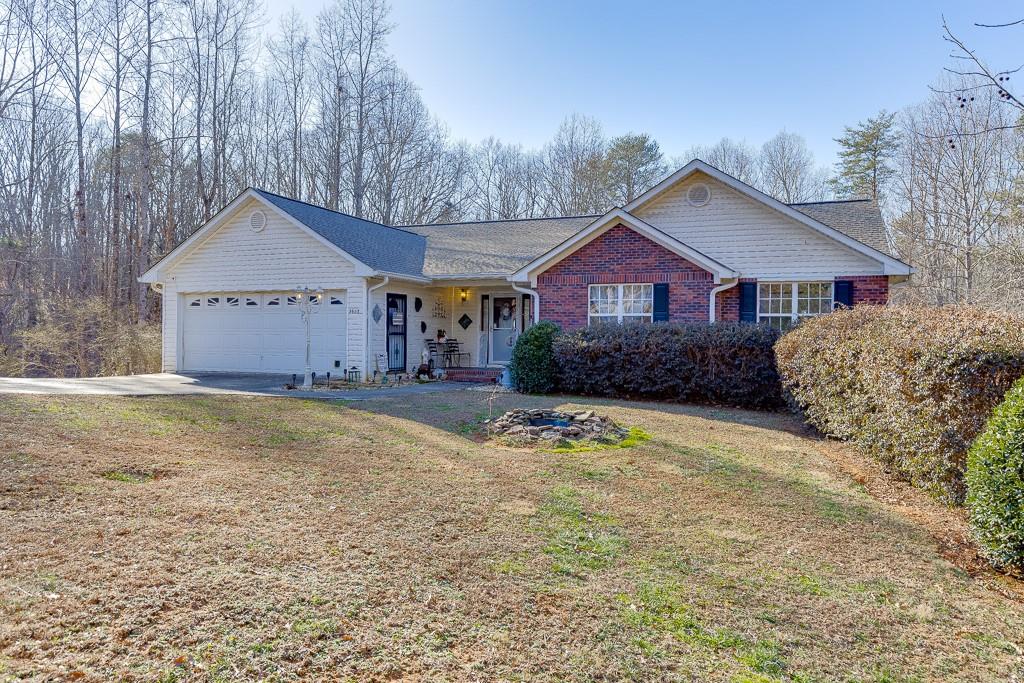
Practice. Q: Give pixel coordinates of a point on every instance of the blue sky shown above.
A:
(686, 72)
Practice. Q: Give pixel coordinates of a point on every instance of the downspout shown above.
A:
(536, 300)
(366, 331)
(714, 293)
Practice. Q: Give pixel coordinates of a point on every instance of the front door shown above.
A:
(504, 328)
(396, 324)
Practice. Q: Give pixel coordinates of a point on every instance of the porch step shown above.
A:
(478, 375)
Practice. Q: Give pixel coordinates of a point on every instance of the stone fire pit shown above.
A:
(544, 426)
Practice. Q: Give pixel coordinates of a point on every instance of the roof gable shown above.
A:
(608, 221)
(889, 265)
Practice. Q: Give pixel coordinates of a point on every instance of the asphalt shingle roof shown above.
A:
(382, 248)
(859, 218)
(503, 247)
(493, 246)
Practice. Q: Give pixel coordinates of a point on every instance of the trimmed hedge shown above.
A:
(995, 482)
(533, 369)
(911, 386)
(727, 363)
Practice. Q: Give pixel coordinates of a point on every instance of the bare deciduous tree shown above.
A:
(787, 170)
(738, 159)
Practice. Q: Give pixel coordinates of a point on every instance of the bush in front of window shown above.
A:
(723, 363)
(911, 386)
(533, 368)
(995, 483)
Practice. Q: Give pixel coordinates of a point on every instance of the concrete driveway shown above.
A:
(168, 384)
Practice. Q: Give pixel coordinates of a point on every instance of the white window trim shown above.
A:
(794, 286)
(619, 316)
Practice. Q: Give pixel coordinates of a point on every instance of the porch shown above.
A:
(483, 317)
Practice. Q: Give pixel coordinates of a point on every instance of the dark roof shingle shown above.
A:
(391, 250)
(860, 219)
(489, 247)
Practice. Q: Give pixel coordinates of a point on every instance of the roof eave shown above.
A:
(401, 276)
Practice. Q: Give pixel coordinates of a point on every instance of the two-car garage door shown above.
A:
(262, 332)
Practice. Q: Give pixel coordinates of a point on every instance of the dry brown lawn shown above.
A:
(239, 538)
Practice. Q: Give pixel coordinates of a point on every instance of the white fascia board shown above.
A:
(196, 239)
(796, 278)
(399, 276)
(890, 265)
(602, 225)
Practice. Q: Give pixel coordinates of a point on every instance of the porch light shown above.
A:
(464, 295)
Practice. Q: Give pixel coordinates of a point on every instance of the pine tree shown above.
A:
(865, 157)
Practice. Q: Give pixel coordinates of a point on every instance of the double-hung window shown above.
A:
(621, 303)
(783, 304)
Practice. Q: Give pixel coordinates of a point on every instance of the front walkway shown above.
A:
(167, 384)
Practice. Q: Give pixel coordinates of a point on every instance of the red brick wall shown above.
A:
(622, 256)
(727, 303)
(868, 289)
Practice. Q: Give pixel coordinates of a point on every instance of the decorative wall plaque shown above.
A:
(440, 311)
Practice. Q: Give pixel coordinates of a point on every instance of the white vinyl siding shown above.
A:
(750, 237)
(620, 303)
(783, 304)
(282, 257)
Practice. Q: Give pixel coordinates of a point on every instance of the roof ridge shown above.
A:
(340, 213)
(499, 220)
(833, 201)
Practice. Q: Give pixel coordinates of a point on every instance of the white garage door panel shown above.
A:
(250, 332)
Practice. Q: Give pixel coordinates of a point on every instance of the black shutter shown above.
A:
(748, 302)
(661, 302)
(843, 293)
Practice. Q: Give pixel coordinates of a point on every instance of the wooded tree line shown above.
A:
(125, 124)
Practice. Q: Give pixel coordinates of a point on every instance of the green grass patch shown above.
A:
(512, 566)
(129, 476)
(316, 628)
(657, 610)
(578, 541)
(635, 437)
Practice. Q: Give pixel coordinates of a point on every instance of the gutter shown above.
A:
(400, 276)
(366, 326)
(536, 300)
(714, 293)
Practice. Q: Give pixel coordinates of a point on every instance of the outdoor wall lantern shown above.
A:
(464, 295)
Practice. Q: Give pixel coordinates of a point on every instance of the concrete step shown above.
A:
(477, 375)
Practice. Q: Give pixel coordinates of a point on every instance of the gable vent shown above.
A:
(699, 194)
(257, 221)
